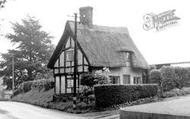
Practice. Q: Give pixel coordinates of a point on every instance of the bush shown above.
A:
(181, 76)
(109, 95)
(47, 84)
(88, 80)
(168, 78)
(174, 77)
(92, 79)
(174, 92)
(26, 86)
(177, 92)
(155, 76)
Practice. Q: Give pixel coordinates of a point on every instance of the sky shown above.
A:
(169, 45)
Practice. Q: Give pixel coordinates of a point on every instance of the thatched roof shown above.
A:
(103, 46)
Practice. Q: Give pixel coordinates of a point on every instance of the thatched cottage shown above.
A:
(98, 47)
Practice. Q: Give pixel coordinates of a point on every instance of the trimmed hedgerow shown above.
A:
(23, 88)
(45, 84)
(109, 95)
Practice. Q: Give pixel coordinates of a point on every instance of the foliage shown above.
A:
(177, 92)
(155, 76)
(182, 76)
(26, 86)
(101, 79)
(32, 52)
(45, 84)
(86, 94)
(93, 79)
(108, 95)
(170, 77)
(88, 80)
(23, 88)
(2, 3)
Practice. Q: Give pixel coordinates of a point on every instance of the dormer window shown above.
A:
(127, 56)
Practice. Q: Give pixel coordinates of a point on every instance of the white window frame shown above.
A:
(129, 80)
(118, 81)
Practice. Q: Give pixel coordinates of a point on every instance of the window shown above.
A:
(137, 80)
(70, 55)
(115, 79)
(69, 83)
(127, 58)
(126, 79)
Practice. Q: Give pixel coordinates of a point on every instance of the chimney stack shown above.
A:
(86, 16)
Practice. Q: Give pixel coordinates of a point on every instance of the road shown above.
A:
(15, 110)
(175, 108)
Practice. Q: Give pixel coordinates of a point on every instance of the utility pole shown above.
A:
(75, 64)
(13, 73)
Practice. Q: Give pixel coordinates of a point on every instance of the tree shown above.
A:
(181, 76)
(155, 76)
(168, 78)
(2, 3)
(32, 52)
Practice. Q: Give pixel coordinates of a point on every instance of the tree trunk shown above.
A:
(30, 77)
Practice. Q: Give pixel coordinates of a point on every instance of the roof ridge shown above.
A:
(95, 27)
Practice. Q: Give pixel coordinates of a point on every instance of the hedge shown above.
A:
(155, 76)
(23, 87)
(171, 77)
(47, 84)
(36, 84)
(109, 95)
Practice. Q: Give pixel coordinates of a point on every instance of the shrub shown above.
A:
(26, 86)
(23, 88)
(109, 95)
(174, 92)
(88, 80)
(101, 79)
(17, 91)
(174, 77)
(168, 78)
(181, 76)
(47, 84)
(92, 79)
(155, 76)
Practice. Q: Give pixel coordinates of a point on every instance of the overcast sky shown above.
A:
(169, 45)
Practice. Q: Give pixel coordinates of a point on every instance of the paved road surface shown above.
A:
(15, 110)
(178, 107)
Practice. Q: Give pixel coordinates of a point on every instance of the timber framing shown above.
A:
(64, 67)
(97, 47)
